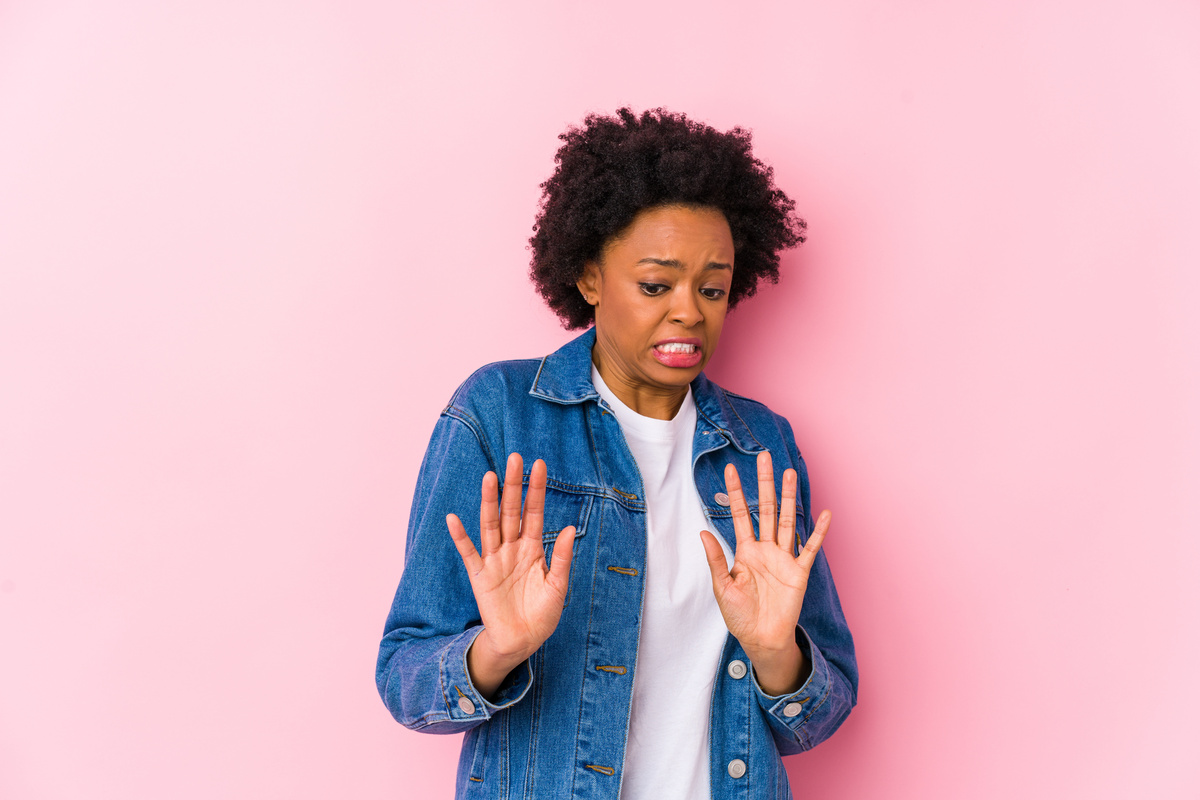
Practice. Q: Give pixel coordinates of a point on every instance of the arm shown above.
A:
(830, 690)
(780, 606)
(463, 625)
(422, 669)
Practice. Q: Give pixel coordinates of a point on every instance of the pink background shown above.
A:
(248, 249)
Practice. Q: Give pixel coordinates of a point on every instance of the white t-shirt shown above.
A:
(682, 633)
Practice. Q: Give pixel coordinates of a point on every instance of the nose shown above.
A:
(685, 308)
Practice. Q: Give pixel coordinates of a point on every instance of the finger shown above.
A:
(717, 565)
(464, 545)
(743, 526)
(489, 515)
(510, 501)
(560, 559)
(813, 546)
(535, 501)
(787, 512)
(766, 498)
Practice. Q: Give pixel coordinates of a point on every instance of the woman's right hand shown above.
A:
(520, 601)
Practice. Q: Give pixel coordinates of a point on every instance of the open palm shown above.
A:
(761, 596)
(520, 600)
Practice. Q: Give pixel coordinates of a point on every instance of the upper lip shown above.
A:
(679, 340)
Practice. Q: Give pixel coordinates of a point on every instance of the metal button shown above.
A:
(737, 669)
(792, 709)
(721, 498)
(467, 707)
(737, 768)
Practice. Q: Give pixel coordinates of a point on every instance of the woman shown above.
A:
(621, 630)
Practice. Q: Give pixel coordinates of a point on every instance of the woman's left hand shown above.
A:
(761, 596)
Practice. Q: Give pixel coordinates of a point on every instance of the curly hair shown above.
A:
(614, 167)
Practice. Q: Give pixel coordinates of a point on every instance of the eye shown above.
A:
(653, 289)
(713, 294)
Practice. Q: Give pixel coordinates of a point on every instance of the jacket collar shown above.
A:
(565, 377)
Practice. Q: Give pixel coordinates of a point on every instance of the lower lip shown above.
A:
(677, 360)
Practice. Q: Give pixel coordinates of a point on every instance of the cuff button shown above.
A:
(467, 707)
(792, 709)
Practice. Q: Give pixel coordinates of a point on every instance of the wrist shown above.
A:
(780, 671)
(773, 651)
(485, 645)
(774, 656)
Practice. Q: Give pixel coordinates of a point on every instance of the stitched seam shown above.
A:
(824, 697)
(632, 505)
(570, 488)
(535, 718)
(591, 607)
(637, 642)
(427, 719)
(503, 759)
(442, 680)
(743, 397)
(587, 424)
(534, 390)
(472, 424)
(747, 427)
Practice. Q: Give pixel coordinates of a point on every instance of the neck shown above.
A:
(656, 402)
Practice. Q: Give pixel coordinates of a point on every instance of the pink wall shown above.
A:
(247, 249)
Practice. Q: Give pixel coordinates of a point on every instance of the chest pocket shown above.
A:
(564, 509)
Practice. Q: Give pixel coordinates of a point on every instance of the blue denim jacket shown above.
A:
(556, 726)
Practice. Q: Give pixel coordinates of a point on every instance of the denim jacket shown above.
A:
(557, 725)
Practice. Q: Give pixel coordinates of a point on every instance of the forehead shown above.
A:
(675, 232)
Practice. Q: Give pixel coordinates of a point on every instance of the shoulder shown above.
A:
(493, 393)
(498, 381)
(754, 417)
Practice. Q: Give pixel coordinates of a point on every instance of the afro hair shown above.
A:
(611, 168)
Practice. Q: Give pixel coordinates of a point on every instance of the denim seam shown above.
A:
(587, 638)
(572, 488)
(747, 427)
(637, 640)
(476, 429)
(428, 719)
(535, 714)
(592, 444)
(503, 759)
(442, 680)
(821, 702)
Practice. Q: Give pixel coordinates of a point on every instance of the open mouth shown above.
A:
(678, 354)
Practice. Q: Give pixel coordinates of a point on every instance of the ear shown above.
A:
(589, 283)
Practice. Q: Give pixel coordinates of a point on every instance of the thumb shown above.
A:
(716, 562)
(560, 559)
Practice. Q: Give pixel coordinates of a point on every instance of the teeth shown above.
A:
(677, 347)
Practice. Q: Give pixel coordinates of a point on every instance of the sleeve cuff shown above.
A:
(464, 703)
(791, 711)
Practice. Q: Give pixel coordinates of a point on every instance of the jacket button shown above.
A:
(792, 709)
(737, 669)
(722, 499)
(737, 768)
(467, 707)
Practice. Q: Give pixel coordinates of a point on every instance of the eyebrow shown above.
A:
(675, 263)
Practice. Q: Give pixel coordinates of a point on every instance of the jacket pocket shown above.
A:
(564, 509)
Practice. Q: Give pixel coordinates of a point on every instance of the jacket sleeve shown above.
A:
(805, 718)
(422, 673)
